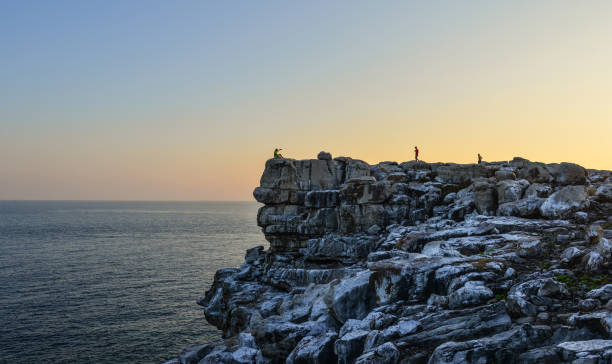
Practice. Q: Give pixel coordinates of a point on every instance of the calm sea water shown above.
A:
(113, 282)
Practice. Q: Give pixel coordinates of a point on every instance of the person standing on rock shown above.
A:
(416, 153)
(277, 154)
(479, 158)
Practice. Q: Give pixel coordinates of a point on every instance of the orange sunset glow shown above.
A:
(187, 104)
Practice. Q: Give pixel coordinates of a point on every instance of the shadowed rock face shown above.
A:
(302, 197)
(416, 262)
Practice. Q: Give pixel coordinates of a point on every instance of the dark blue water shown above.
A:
(113, 282)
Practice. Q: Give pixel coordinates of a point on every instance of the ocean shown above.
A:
(113, 282)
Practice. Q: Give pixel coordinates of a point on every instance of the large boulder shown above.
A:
(593, 262)
(304, 175)
(359, 218)
(524, 298)
(275, 196)
(324, 156)
(382, 170)
(462, 173)
(535, 172)
(443, 326)
(194, 353)
(530, 248)
(386, 353)
(316, 174)
(415, 276)
(518, 162)
(275, 336)
(243, 355)
(355, 168)
(501, 348)
(565, 202)
(485, 198)
(415, 166)
(538, 190)
(280, 173)
(219, 355)
(604, 293)
(473, 293)
(353, 298)
(526, 208)
(568, 173)
(600, 322)
(587, 351)
(604, 193)
(509, 190)
(314, 350)
(335, 248)
(505, 174)
(350, 346)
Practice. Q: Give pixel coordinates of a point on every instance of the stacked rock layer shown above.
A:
(504, 262)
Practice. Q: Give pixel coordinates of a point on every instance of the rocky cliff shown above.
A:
(503, 262)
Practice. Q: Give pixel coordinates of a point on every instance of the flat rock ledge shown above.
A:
(414, 262)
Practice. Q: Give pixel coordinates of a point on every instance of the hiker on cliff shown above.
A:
(277, 154)
(416, 153)
(479, 158)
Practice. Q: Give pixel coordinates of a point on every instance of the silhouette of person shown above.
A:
(416, 153)
(277, 154)
(479, 158)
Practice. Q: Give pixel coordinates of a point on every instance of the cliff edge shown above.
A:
(504, 262)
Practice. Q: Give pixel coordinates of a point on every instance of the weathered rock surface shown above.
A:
(415, 262)
(565, 202)
(314, 349)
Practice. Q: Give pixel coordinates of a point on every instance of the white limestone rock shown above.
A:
(564, 202)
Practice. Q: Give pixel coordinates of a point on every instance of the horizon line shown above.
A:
(97, 200)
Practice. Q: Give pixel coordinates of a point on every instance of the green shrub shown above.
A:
(595, 281)
(500, 297)
(564, 278)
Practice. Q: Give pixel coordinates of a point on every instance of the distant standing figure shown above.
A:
(277, 154)
(416, 153)
(479, 158)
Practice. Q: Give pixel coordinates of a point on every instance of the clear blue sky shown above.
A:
(185, 100)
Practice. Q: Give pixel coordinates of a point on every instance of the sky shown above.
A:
(186, 100)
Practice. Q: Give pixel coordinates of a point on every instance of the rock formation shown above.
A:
(503, 262)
